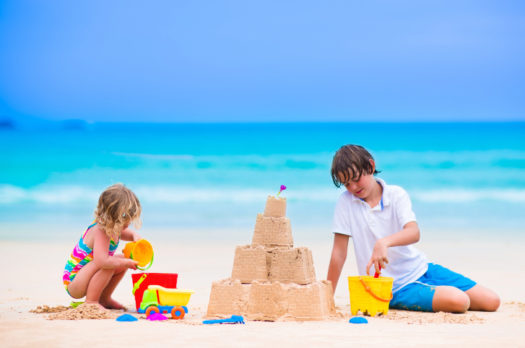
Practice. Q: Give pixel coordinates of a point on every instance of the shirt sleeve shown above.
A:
(404, 211)
(341, 222)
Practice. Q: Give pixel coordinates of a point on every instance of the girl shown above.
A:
(92, 269)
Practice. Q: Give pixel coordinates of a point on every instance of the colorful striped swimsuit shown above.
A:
(81, 256)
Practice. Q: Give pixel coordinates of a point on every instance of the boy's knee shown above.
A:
(448, 299)
(460, 303)
(492, 303)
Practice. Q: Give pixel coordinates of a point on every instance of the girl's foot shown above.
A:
(111, 304)
(95, 304)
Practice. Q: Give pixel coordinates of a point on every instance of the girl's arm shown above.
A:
(408, 235)
(101, 258)
(338, 258)
(130, 235)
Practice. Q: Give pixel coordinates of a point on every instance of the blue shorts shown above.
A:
(418, 295)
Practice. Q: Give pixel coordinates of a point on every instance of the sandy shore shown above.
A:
(31, 276)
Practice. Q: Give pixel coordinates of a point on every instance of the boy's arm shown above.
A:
(130, 235)
(408, 235)
(338, 258)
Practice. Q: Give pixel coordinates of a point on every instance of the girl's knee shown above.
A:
(119, 270)
(115, 271)
(107, 271)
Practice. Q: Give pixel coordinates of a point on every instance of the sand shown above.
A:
(28, 286)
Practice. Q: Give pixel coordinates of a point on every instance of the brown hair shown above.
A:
(117, 207)
(350, 162)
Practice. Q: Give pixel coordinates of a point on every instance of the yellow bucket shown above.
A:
(140, 251)
(370, 295)
(172, 297)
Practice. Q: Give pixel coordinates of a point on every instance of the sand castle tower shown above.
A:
(271, 280)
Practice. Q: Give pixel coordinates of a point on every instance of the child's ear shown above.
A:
(373, 164)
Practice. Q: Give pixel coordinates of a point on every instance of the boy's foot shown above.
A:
(111, 304)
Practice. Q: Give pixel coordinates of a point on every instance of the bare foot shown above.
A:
(96, 304)
(111, 304)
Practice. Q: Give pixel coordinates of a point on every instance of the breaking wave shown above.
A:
(69, 194)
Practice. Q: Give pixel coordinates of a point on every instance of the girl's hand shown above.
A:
(379, 257)
(129, 263)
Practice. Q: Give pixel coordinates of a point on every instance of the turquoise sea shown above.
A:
(215, 177)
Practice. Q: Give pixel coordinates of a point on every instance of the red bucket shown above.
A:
(141, 281)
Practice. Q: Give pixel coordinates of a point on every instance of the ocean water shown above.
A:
(215, 177)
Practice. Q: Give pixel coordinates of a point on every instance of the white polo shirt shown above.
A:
(355, 218)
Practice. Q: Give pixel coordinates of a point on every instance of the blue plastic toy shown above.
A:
(234, 319)
(126, 317)
(358, 320)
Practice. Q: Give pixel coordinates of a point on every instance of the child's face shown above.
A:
(361, 188)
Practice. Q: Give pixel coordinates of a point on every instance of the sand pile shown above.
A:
(271, 280)
(84, 311)
(47, 309)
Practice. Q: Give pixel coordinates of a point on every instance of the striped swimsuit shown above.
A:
(81, 256)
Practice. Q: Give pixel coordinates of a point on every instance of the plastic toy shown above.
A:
(140, 251)
(141, 281)
(75, 304)
(158, 299)
(156, 317)
(358, 320)
(234, 319)
(126, 317)
(370, 295)
(378, 273)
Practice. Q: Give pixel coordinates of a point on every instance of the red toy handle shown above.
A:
(376, 275)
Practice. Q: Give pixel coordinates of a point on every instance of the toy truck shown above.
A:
(158, 299)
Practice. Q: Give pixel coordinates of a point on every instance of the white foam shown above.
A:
(47, 195)
(67, 194)
(464, 195)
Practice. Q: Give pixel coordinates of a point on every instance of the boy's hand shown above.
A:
(379, 257)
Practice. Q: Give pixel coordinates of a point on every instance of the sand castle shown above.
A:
(271, 280)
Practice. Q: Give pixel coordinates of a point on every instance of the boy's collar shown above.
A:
(385, 196)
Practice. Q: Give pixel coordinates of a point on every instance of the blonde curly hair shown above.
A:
(117, 207)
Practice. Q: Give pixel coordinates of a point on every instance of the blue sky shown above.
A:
(215, 61)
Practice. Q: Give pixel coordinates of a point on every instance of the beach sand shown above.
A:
(31, 277)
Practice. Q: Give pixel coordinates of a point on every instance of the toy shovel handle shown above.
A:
(136, 286)
(376, 275)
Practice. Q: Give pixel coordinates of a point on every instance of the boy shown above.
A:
(380, 220)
